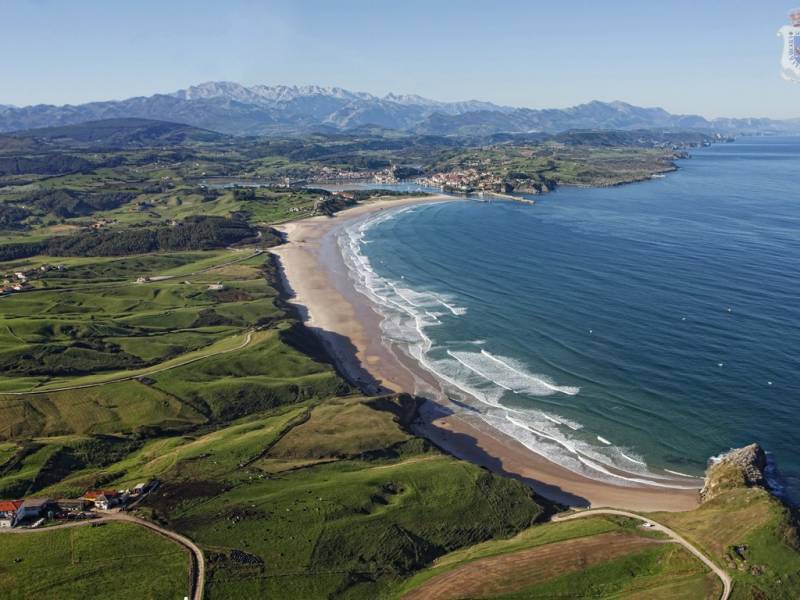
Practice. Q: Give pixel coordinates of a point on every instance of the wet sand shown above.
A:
(350, 329)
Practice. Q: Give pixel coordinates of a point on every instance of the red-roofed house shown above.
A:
(8, 512)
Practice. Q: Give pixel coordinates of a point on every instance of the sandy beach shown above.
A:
(350, 329)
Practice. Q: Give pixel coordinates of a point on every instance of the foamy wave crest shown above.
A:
(509, 374)
(679, 474)
(577, 455)
(407, 312)
(477, 381)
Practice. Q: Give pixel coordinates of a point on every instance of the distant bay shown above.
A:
(625, 332)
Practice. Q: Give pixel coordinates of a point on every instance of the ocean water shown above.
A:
(627, 333)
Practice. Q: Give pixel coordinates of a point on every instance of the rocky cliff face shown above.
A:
(742, 467)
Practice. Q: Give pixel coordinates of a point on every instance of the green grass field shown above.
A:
(115, 560)
(101, 331)
(193, 350)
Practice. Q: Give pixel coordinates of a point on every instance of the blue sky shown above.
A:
(703, 56)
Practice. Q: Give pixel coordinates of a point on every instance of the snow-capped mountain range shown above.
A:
(260, 109)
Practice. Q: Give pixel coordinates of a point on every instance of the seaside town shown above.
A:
(460, 181)
(39, 512)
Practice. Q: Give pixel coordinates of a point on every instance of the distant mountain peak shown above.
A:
(264, 93)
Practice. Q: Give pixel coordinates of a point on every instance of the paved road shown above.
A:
(726, 579)
(246, 342)
(198, 566)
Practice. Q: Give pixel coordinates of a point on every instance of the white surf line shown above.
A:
(600, 438)
(453, 309)
(679, 474)
(590, 463)
(549, 386)
(486, 377)
(399, 293)
(599, 468)
(519, 423)
(456, 384)
(633, 460)
(505, 387)
(554, 420)
(387, 302)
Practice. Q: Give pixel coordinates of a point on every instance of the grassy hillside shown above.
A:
(597, 557)
(303, 516)
(748, 532)
(305, 500)
(118, 560)
(740, 526)
(290, 483)
(120, 133)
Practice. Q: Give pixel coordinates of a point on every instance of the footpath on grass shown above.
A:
(198, 565)
(153, 279)
(675, 537)
(248, 338)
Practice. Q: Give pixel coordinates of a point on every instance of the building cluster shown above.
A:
(388, 175)
(101, 223)
(289, 182)
(335, 174)
(467, 180)
(34, 511)
(20, 281)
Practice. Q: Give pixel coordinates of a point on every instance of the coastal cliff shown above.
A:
(744, 527)
(740, 467)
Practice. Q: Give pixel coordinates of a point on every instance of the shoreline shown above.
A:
(319, 285)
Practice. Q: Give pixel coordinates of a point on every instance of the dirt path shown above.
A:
(403, 463)
(726, 579)
(198, 565)
(248, 338)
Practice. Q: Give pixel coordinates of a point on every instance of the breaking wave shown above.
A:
(479, 381)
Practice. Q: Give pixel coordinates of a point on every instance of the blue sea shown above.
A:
(627, 333)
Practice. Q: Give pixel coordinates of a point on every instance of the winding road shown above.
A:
(198, 565)
(727, 584)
